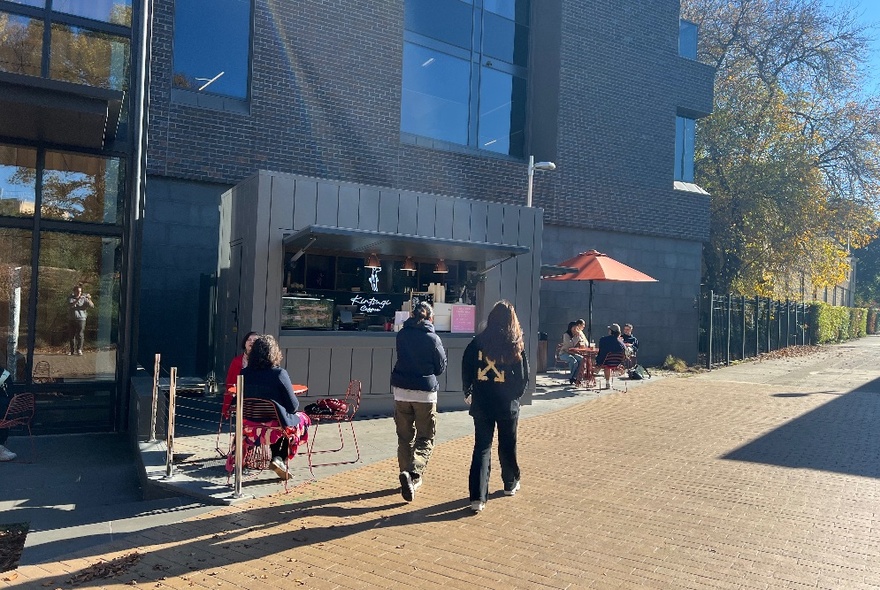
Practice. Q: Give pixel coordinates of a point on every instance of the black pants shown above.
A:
(481, 461)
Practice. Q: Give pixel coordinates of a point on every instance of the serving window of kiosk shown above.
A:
(327, 290)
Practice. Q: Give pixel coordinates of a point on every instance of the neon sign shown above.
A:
(371, 305)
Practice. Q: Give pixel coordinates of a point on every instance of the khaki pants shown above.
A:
(416, 424)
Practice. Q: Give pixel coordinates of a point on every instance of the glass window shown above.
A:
(21, 44)
(502, 112)
(37, 3)
(88, 57)
(15, 282)
(436, 89)
(111, 11)
(446, 94)
(687, 39)
(18, 181)
(77, 306)
(504, 40)
(685, 133)
(212, 41)
(450, 21)
(77, 187)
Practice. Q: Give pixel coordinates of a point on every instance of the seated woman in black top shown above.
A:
(265, 379)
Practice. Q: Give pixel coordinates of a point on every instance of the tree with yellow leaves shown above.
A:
(791, 153)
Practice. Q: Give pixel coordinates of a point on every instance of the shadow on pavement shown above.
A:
(833, 437)
(243, 536)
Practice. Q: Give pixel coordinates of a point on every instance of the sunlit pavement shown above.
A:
(762, 475)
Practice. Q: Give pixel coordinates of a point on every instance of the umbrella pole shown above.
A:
(590, 325)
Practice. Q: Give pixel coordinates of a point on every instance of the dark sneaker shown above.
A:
(279, 468)
(406, 486)
(512, 489)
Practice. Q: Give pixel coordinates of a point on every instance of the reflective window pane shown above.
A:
(111, 11)
(450, 21)
(687, 39)
(435, 94)
(502, 112)
(212, 40)
(18, 181)
(15, 281)
(37, 3)
(88, 57)
(78, 187)
(21, 44)
(516, 10)
(685, 130)
(77, 307)
(504, 40)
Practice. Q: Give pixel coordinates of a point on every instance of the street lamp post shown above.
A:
(544, 166)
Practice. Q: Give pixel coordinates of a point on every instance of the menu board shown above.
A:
(464, 319)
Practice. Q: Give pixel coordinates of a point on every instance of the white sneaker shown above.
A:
(477, 506)
(6, 454)
(513, 489)
(416, 482)
(279, 468)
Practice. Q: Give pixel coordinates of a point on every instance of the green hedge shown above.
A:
(831, 323)
(871, 325)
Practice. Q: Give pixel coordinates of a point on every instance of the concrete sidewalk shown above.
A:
(763, 475)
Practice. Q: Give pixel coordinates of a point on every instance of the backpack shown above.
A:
(638, 372)
(326, 407)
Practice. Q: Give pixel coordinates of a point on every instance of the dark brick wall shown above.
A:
(326, 101)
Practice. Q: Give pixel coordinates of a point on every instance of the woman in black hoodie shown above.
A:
(420, 358)
(494, 374)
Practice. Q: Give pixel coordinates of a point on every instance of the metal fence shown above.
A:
(735, 328)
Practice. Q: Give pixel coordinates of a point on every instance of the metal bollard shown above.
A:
(172, 400)
(155, 398)
(239, 439)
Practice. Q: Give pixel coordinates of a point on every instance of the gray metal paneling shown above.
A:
(348, 206)
(328, 204)
(368, 209)
(326, 361)
(389, 205)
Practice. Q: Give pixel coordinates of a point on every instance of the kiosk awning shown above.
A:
(384, 243)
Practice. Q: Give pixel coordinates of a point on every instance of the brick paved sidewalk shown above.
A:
(727, 480)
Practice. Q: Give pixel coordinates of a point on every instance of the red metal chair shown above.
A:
(352, 401)
(262, 427)
(19, 413)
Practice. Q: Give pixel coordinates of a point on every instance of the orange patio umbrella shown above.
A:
(596, 266)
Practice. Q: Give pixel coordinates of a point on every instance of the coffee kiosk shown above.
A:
(332, 269)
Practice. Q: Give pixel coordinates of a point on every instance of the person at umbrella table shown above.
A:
(609, 344)
(573, 337)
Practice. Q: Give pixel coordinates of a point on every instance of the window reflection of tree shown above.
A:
(75, 187)
(21, 40)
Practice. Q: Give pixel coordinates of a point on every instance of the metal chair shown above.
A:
(19, 413)
(352, 401)
(558, 362)
(262, 427)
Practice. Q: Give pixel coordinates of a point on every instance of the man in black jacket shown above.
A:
(420, 358)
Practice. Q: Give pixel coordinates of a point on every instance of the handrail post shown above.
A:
(757, 327)
(239, 436)
(172, 401)
(743, 333)
(155, 398)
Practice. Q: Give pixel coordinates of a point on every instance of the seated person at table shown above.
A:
(265, 379)
(609, 344)
(628, 338)
(235, 366)
(573, 337)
